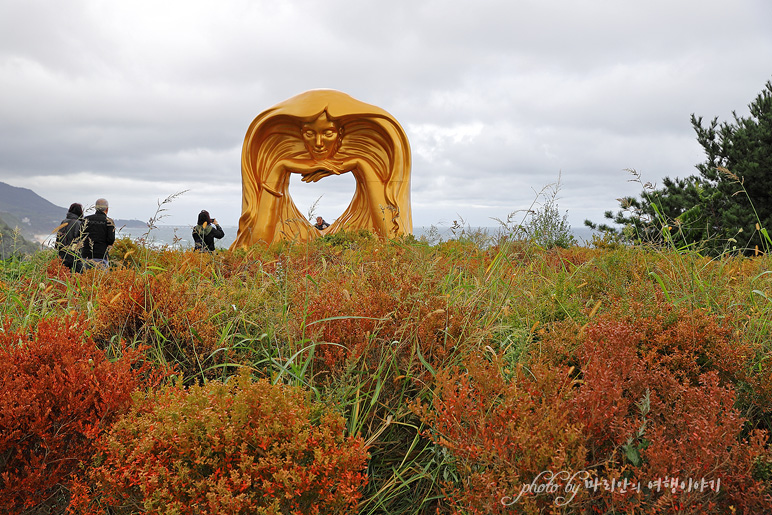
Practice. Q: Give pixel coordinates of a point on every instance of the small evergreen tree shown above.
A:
(728, 204)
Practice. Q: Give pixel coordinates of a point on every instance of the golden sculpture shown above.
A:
(317, 134)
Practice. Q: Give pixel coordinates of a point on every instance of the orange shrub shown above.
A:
(559, 258)
(756, 397)
(391, 301)
(59, 392)
(151, 307)
(656, 401)
(503, 432)
(241, 447)
(687, 342)
(55, 269)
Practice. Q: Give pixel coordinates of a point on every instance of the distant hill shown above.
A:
(31, 213)
(12, 243)
(34, 216)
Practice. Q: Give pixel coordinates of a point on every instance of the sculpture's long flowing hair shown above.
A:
(367, 133)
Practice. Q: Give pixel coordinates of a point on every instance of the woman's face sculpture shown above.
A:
(321, 137)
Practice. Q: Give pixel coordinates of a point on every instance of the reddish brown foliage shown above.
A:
(503, 432)
(243, 447)
(688, 342)
(59, 392)
(690, 428)
(570, 258)
(652, 397)
(386, 300)
(144, 306)
(55, 269)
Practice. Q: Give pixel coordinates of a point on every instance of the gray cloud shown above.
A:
(136, 101)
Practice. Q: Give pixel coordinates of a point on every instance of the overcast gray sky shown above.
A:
(135, 101)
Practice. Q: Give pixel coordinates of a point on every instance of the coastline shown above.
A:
(179, 236)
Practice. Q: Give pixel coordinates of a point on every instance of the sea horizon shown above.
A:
(181, 235)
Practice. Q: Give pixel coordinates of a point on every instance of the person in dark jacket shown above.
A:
(205, 231)
(99, 232)
(69, 238)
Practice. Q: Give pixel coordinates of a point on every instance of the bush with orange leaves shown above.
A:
(503, 432)
(649, 396)
(389, 300)
(58, 394)
(159, 311)
(657, 400)
(241, 447)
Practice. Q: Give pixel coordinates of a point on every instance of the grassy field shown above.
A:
(398, 377)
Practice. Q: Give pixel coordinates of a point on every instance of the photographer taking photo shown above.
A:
(205, 232)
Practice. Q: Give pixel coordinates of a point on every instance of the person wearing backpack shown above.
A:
(99, 231)
(69, 238)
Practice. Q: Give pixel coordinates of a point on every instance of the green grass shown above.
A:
(365, 325)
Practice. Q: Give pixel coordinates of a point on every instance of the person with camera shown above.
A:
(205, 232)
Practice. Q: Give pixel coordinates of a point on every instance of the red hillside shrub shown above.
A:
(388, 300)
(691, 342)
(58, 392)
(241, 447)
(503, 432)
(55, 269)
(688, 342)
(656, 402)
(159, 307)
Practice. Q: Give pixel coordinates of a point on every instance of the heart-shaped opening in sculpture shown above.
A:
(328, 198)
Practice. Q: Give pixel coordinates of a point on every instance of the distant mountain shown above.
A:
(35, 217)
(29, 212)
(12, 243)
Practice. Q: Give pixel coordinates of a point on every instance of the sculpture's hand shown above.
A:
(327, 167)
(317, 175)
